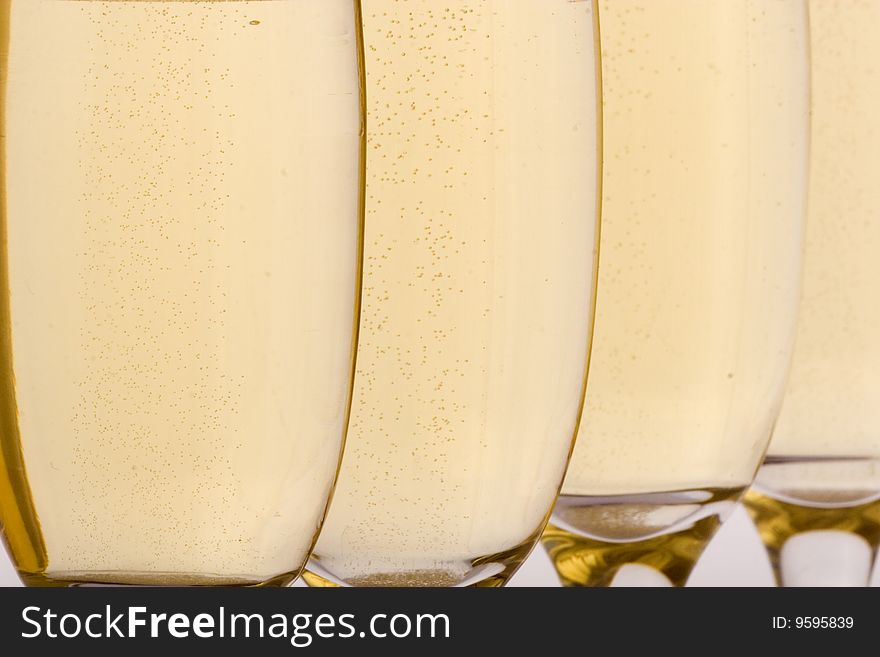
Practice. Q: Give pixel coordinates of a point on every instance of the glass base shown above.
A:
(489, 571)
(77, 579)
(819, 518)
(634, 540)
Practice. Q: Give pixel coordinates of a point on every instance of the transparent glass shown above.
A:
(479, 270)
(816, 501)
(705, 135)
(179, 275)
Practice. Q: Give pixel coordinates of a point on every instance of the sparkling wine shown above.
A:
(704, 188)
(480, 220)
(181, 191)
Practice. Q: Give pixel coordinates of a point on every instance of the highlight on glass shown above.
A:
(180, 260)
(816, 501)
(478, 289)
(705, 136)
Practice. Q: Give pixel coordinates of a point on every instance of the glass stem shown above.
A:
(812, 546)
(825, 558)
(665, 560)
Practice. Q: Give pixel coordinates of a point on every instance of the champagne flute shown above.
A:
(816, 500)
(478, 282)
(704, 186)
(180, 273)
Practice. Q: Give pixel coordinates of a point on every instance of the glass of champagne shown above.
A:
(705, 129)
(816, 500)
(180, 272)
(479, 265)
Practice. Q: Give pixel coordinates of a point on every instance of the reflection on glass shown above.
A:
(478, 276)
(817, 499)
(179, 276)
(705, 153)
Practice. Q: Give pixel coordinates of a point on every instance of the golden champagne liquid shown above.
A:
(821, 481)
(704, 187)
(181, 218)
(480, 220)
(703, 198)
(832, 403)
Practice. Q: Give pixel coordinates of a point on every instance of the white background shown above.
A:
(734, 558)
